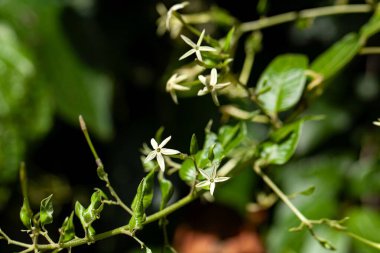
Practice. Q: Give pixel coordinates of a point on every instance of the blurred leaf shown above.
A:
(188, 172)
(193, 145)
(26, 214)
(282, 145)
(364, 222)
(231, 136)
(67, 231)
(46, 211)
(167, 190)
(228, 40)
(337, 56)
(372, 27)
(141, 201)
(281, 84)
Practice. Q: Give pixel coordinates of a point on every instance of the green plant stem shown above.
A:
(101, 166)
(247, 67)
(308, 13)
(13, 242)
(365, 241)
(370, 50)
(120, 230)
(282, 196)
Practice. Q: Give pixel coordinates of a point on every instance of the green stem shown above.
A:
(13, 242)
(247, 67)
(365, 241)
(282, 196)
(370, 50)
(308, 13)
(120, 230)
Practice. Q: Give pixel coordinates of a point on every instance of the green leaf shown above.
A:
(167, 190)
(282, 145)
(158, 135)
(92, 212)
(231, 136)
(228, 40)
(193, 145)
(337, 56)
(285, 78)
(188, 172)
(46, 211)
(141, 201)
(372, 27)
(67, 231)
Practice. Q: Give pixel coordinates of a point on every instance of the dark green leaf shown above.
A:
(79, 210)
(67, 231)
(282, 145)
(141, 201)
(46, 211)
(167, 190)
(188, 172)
(285, 78)
(193, 145)
(337, 56)
(231, 136)
(372, 27)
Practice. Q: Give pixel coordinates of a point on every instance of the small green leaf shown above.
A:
(337, 56)
(283, 144)
(67, 231)
(285, 77)
(92, 212)
(372, 27)
(102, 174)
(228, 40)
(188, 172)
(307, 192)
(167, 190)
(193, 145)
(147, 250)
(46, 211)
(79, 210)
(231, 136)
(158, 135)
(141, 201)
(211, 155)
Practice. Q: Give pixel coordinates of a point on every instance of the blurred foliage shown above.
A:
(40, 77)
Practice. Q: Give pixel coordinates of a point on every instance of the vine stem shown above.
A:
(308, 13)
(282, 196)
(13, 242)
(370, 50)
(120, 230)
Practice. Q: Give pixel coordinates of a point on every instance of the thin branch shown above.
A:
(370, 50)
(308, 13)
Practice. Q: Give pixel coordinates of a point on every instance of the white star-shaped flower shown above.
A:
(174, 8)
(173, 85)
(196, 48)
(211, 180)
(211, 85)
(159, 151)
(166, 22)
(377, 123)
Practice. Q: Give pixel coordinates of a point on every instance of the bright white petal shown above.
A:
(214, 77)
(204, 174)
(203, 91)
(187, 54)
(199, 42)
(168, 151)
(161, 162)
(154, 144)
(163, 143)
(206, 48)
(215, 97)
(202, 184)
(203, 79)
(221, 179)
(221, 85)
(188, 41)
(212, 188)
(174, 96)
(179, 87)
(150, 156)
(182, 5)
(199, 55)
(213, 173)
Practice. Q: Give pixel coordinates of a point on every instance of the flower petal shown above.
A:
(168, 151)
(202, 79)
(214, 96)
(154, 144)
(213, 77)
(199, 42)
(203, 184)
(161, 162)
(212, 188)
(221, 85)
(187, 54)
(188, 41)
(203, 91)
(180, 87)
(150, 156)
(163, 143)
(174, 96)
(199, 55)
(221, 179)
(204, 174)
(206, 48)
